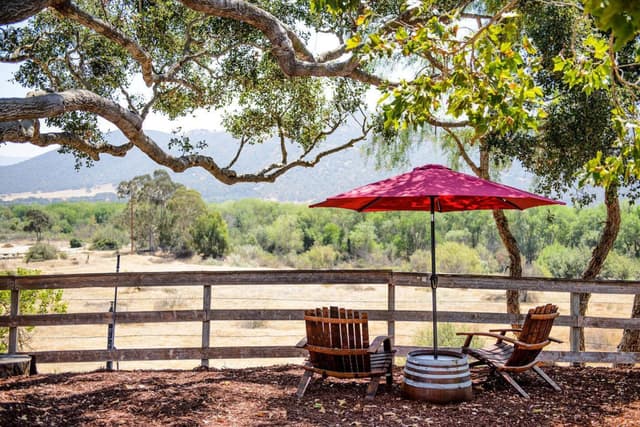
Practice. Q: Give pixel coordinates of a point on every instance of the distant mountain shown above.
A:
(55, 172)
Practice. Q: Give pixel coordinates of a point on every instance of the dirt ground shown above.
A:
(264, 397)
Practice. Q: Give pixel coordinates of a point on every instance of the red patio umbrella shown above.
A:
(435, 188)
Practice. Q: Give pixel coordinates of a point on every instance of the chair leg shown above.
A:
(389, 377)
(304, 383)
(545, 377)
(372, 388)
(508, 378)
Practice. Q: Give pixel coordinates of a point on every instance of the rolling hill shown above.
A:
(55, 172)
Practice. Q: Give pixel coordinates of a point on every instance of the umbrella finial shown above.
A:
(431, 166)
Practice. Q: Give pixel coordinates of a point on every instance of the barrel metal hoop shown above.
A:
(437, 386)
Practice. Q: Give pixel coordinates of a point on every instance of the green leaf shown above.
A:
(353, 42)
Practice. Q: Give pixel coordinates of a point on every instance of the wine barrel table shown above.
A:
(443, 379)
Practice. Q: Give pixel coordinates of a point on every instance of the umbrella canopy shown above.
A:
(435, 188)
(449, 190)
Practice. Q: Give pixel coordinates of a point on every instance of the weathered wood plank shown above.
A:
(309, 277)
(72, 356)
(558, 356)
(526, 283)
(574, 333)
(391, 308)
(14, 309)
(297, 314)
(589, 357)
(198, 278)
(206, 324)
(267, 314)
(7, 283)
(103, 318)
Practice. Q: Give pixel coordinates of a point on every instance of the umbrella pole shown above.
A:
(434, 279)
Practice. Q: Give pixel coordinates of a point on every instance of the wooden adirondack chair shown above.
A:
(509, 355)
(338, 344)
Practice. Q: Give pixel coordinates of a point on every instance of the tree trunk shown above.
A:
(602, 249)
(631, 337)
(508, 240)
(515, 260)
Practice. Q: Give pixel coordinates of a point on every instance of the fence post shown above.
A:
(391, 308)
(206, 323)
(574, 335)
(13, 312)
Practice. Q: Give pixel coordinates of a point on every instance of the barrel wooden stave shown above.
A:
(443, 380)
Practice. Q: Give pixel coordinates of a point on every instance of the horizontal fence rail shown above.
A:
(209, 280)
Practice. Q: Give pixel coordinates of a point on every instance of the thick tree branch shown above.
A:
(26, 131)
(26, 111)
(284, 49)
(13, 11)
(292, 55)
(463, 152)
(104, 28)
(44, 104)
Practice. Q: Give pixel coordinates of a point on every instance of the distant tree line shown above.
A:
(163, 216)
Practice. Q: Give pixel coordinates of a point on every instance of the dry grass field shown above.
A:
(247, 333)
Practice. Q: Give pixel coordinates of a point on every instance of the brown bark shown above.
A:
(515, 260)
(508, 240)
(631, 337)
(12, 11)
(602, 249)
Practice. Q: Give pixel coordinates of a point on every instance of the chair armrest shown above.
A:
(302, 343)
(467, 341)
(500, 337)
(556, 340)
(374, 347)
(506, 330)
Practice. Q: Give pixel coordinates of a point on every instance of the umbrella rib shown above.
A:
(368, 205)
(511, 203)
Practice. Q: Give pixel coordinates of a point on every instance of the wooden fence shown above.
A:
(209, 280)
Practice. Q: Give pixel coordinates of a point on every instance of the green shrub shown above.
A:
(446, 336)
(458, 236)
(108, 239)
(183, 249)
(31, 301)
(105, 244)
(451, 257)
(620, 267)
(420, 261)
(252, 256)
(41, 252)
(563, 262)
(75, 243)
(319, 256)
(210, 235)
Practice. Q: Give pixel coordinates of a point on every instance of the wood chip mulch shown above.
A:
(264, 397)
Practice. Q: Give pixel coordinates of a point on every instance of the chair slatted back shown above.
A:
(535, 329)
(337, 339)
